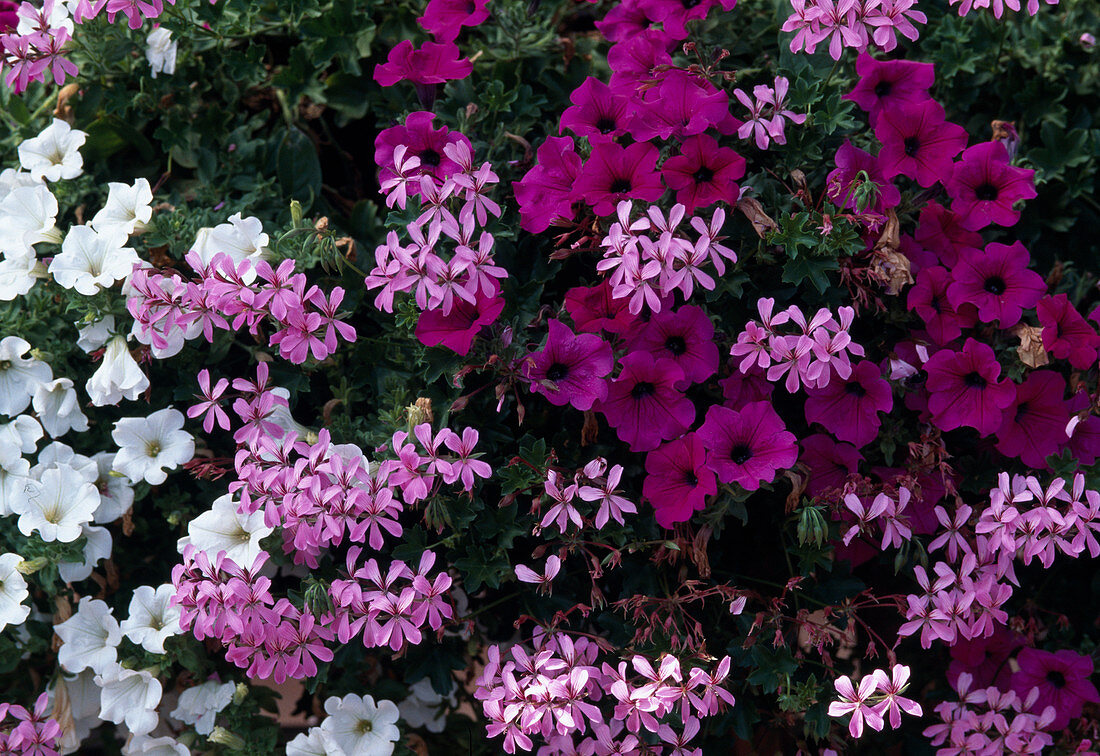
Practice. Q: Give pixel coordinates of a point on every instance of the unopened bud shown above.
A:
(31, 566)
(224, 737)
(296, 212)
(812, 527)
(240, 693)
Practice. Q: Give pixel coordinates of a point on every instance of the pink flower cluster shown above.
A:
(1023, 521)
(768, 113)
(851, 23)
(556, 691)
(33, 733)
(455, 205)
(649, 259)
(28, 56)
(594, 483)
(813, 355)
(136, 11)
(878, 696)
(887, 512)
(225, 295)
(991, 722)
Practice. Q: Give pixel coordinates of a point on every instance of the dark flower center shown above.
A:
(606, 124)
(883, 88)
(1021, 411)
(912, 146)
(985, 192)
(620, 186)
(995, 285)
(429, 157)
(975, 380)
(740, 454)
(1056, 678)
(703, 175)
(557, 371)
(676, 345)
(690, 478)
(642, 389)
(856, 390)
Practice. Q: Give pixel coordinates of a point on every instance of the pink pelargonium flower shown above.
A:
(854, 702)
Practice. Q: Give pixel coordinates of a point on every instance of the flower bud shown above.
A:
(812, 527)
(224, 737)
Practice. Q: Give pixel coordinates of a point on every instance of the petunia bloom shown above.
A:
(1062, 678)
(678, 480)
(844, 188)
(997, 281)
(686, 336)
(445, 18)
(546, 192)
(704, 173)
(570, 369)
(1067, 335)
(747, 446)
(848, 408)
(597, 112)
(614, 173)
(928, 299)
(1034, 426)
(984, 186)
(918, 142)
(643, 404)
(964, 388)
(889, 84)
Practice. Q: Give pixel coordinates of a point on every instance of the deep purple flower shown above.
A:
(636, 60)
(643, 404)
(840, 186)
(940, 231)
(747, 446)
(1062, 678)
(928, 298)
(741, 388)
(593, 309)
(1084, 444)
(678, 480)
(458, 329)
(984, 185)
(614, 173)
(918, 142)
(984, 659)
(848, 408)
(545, 193)
(570, 369)
(422, 141)
(674, 14)
(445, 18)
(1067, 335)
(432, 63)
(686, 336)
(597, 112)
(680, 106)
(1034, 426)
(964, 388)
(889, 84)
(9, 15)
(830, 463)
(997, 281)
(704, 173)
(628, 19)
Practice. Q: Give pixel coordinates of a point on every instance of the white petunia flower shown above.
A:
(94, 336)
(116, 494)
(19, 375)
(19, 437)
(128, 208)
(13, 592)
(423, 707)
(199, 706)
(152, 619)
(161, 52)
(240, 238)
(10, 179)
(55, 153)
(223, 528)
(91, 260)
(83, 696)
(58, 407)
(143, 745)
(356, 726)
(96, 548)
(18, 276)
(57, 506)
(15, 485)
(28, 216)
(147, 445)
(118, 377)
(308, 743)
(130, 696)
(89, 638)
(56, 453)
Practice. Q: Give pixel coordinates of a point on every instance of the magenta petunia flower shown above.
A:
(918, 142)
(637, 59)
(1067, 335)
(848, 408)
(593, 309)
(458, 329)
(430, 64)
(741, 388)
(889, 84)
(545, 193)
(628, 19)
(9, 16)
(570, 369)
(964, 389)
(704, 173)
(678, 480)
(680, 106)
(940, 231)
(421, 141)
(747, 446)
(984, 185)
(1062, 678)
(686, 336)
(1034, 426)
(597, 112)
(984, 659)
(997, 281)
(1084, 444)
(445, 18)
(674, 14)
(643, 404)
(614, 173)
(840, 183)
(830, 463)
(928, 299)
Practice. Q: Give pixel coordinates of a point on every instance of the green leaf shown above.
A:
(298, 167)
